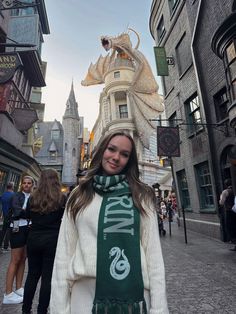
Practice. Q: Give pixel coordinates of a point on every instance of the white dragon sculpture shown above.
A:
(143, 95)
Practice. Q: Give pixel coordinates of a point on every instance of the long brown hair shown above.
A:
(47, 197)
(82, 196)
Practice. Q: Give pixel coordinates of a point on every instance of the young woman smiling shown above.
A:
(109, 257)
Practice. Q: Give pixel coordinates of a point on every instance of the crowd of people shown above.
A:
(97, 251)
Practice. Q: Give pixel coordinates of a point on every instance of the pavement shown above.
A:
(200, 275)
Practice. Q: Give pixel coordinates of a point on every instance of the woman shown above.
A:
(18, 237)
(45, 209)
(109, 257)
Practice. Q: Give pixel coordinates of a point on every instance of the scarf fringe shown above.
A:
(119, 308)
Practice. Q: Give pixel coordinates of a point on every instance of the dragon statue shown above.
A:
(143, 95)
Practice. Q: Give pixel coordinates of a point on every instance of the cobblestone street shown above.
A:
(200, 275)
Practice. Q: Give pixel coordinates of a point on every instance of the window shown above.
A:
(204, 185)
(36, 128)
(193, 114)
(73, 152)
(3, 178)
(230, 65)
(221, 104)
(183, 54)
(14, 177)
(183, 188)
(24, 11)
(23, 84)
(173, 5)
(123, 110)
(116, 74)
(52, 155)
(55, 134)
(66, 147)
(161, 29)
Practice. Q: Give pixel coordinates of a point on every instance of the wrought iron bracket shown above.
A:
(15, 4)
(216, 126)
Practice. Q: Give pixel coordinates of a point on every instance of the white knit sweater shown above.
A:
(76, 257)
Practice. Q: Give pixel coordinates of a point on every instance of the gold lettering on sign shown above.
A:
(7, 65)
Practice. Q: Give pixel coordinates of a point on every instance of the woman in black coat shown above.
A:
(45, 210)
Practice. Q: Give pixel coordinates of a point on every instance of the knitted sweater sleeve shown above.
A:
(61, 286)
(155, 264)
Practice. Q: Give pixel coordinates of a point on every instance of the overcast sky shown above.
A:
(76, 27)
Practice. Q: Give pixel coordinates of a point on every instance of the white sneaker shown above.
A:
(20, 292)
(12, 298)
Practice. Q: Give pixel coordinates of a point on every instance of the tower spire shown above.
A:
(71, 105)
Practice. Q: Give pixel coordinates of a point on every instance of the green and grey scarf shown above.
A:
(119, 281)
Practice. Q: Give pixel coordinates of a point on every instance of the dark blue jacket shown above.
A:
(17, 203)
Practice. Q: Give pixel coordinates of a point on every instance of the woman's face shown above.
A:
(116, 155)
(27, 185)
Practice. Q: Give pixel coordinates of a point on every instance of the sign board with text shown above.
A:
(9, 63)
(161, 61)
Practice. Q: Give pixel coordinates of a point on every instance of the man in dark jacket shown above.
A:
(227, 200)
(5, 199)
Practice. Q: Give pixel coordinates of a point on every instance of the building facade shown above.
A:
(196, 99)
(21, 36)
(224, 46)
(49, 145)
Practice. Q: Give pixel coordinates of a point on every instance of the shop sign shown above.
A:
(9, 63)
(24, 118)
(168, 141)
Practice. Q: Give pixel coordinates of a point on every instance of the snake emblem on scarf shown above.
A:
(122, 266)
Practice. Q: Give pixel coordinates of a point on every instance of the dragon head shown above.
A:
(119, 42)
(106, 43)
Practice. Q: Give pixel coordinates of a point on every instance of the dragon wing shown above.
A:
(96, 72)
(144, 108)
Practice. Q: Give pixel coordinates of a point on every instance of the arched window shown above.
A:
(73, 152)
(225, 163)
(66, 146)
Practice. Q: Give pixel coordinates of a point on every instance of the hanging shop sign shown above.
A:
(168, 141)
(161, 61)
(24, 118)
(9, 63)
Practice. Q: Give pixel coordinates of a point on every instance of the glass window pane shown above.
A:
(230, 52)
(205, 187)
(183, 188)
(232, 70)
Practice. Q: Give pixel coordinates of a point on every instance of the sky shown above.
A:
(76, 27)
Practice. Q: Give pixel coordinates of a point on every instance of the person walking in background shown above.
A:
(19, 229)
(45, 210)
(163, 209)
(227, 200)
(109, 257)
(5, 199)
